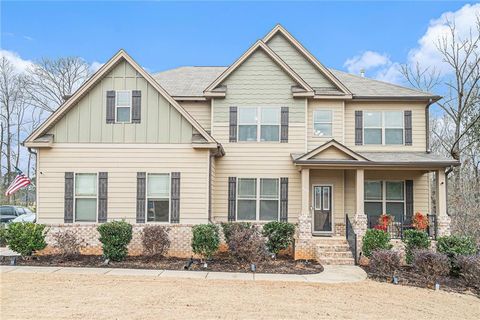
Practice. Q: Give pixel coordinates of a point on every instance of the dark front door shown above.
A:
(322, 209)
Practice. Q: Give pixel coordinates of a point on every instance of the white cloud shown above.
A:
(95, 65)
(19, 64)
(366, 61)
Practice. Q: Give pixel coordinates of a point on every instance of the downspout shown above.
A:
(450, 169)
(427, 124)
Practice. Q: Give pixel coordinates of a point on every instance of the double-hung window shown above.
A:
(158, 197)
(383, 127)
(322, 123)
(123, 106)
(259, 124)
(86, 197)
(258, 199)
(385, 197)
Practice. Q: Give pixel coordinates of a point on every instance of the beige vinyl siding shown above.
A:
(298, 62)
(418, 125)
(200, 110)
(86, 121)
(334, 178)
(259, 81)
(333, 153)
(122, 165)
(337, 122)
(350, 193)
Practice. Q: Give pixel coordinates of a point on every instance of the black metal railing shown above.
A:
(396, 228)
(351, 238)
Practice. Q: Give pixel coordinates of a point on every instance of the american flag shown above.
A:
(19, 182)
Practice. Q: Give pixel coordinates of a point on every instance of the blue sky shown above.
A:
(163, 35)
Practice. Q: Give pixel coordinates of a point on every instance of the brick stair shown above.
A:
(334, 250)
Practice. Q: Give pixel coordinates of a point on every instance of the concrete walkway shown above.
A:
(331, 274)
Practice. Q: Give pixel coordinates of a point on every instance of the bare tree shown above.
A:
(50, 80)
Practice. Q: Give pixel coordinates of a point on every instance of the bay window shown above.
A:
(86, 197)
(258, 199)
(259, 124)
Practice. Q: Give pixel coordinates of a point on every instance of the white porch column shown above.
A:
(303, 244)
(443, 220)
(360, 220)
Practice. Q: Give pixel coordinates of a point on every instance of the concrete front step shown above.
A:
(337, 261)
(326, 254)
(334, 251)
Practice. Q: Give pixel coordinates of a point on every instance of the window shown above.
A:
(383, 127)
(322, 123)
(123, 106)
(158, 197)
(86, 197)
(385, 197)
(259, 124)
(258, 199)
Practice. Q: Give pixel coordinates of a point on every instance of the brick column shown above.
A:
(360, 220)
(443, 220)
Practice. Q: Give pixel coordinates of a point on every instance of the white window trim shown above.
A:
(169, 197)
(259, 123)
(84, 197)
(129, 106)
(315, 122)
(257, 200)
(383, 129)
(384, 195)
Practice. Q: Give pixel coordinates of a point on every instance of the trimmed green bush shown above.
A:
(230, 227)
(375, 239)
(455, 246)
(3, 241)
(115, 237)
(206, 240)
(415, 240)
(279, 235)
(26, 237)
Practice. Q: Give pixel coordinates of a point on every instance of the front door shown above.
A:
(322, 209)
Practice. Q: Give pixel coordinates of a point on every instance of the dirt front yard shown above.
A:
(68, 296)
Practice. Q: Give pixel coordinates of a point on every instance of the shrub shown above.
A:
(3, 241)
(115, 237)
(420, 221)
(455, 246)
(415, 240)
(206, 240)
(469, 267)
(68, 244)
(279, 235)
(26, 237)
(247, 244)
(384, 262)
(375, 240)
(155, 240)
(229, 227)
(431, 265)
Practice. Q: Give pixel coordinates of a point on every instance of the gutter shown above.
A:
(382, 163)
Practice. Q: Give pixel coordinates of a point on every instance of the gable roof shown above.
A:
(94, 79)
(257, 46)
(331, 144)
(279, 29)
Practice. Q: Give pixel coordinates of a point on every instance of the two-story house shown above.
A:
(274, 136)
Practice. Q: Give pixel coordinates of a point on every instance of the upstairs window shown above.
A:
(322, 123)
(259, 124)
(383, 127)
(123, 106)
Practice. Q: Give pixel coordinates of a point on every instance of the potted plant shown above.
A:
(420, 221)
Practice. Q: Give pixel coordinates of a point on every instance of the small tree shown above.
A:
(115, 237)
(206, 240)
(279, 235)
(26, 237)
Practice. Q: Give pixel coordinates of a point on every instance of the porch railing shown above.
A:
(351, 238)
(397, 229)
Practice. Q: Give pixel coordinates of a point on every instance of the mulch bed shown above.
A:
(222, 262)
(409, 277)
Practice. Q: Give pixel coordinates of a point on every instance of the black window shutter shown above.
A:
(358, 128)
(102, 196)
(409, 200)
(136, 106)
(284, 125)
(408, 127)
(68, 213)
(111, 106)
(175, 198)
(141, 189)
(233, 124)
(284, 199)
(232, 198)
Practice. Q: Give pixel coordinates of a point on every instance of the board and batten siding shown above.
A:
(418, 125)
(200, 110)
(122, 164)
(86, 121)
(337, 108)
(298, 62)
